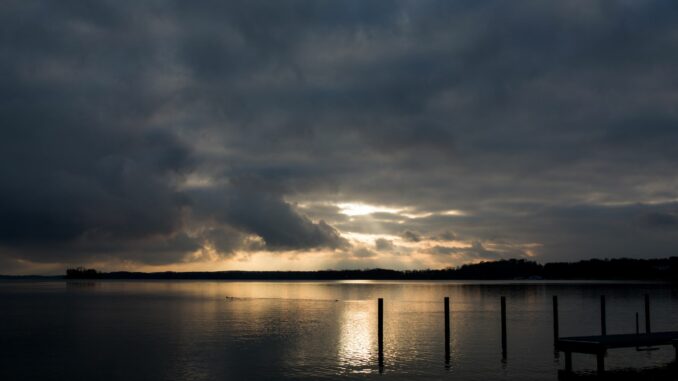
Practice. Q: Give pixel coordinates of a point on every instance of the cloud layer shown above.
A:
(168, 133)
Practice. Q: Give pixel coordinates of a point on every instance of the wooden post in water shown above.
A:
(568, 361)
(556, 334)
(647, 314)
(380, 334)
(503, 327)
(447, 330)
(603, 320)
(600, 363)
(637, 330)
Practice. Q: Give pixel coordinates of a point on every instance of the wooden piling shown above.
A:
(556, 333)
(647, 314)
(568, 361)
(637, 330)
(503, 326)
(600, 363)
(380, 334)
(603, 320)
(447, 330)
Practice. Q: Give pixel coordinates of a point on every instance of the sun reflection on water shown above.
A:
(357, 338)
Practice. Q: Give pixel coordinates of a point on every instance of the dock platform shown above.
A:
(598, 345)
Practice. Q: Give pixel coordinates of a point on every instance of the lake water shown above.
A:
(204, 330)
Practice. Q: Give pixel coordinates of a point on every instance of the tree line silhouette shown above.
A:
(516, 269)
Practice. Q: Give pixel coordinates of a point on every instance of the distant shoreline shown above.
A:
(622, 269)
(62, 278)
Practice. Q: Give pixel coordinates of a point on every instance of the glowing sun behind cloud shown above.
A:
(361, 209)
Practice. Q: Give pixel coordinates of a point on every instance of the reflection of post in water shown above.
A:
(647, 314)
(638, 330)
(556, 333)
(503, 327)
(447, 332)
(381, 334)
(603, 318)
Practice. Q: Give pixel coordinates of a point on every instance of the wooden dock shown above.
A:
(598, 345)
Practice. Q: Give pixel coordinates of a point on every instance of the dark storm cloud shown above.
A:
(266, 215)
(474, 253)
(411, 236)
(382, 244)
(662, 220)
(364, 252)
(549, 123)
(80, 157)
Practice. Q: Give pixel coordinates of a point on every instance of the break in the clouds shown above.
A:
(317, 134)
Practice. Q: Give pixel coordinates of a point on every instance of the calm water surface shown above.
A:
(199, 330)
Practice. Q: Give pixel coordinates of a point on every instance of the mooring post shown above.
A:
(556, 335)
(600, 362)
(380, 334)
(603, 320)
(503, 326)
(647, 314)
(637, 330)
(568, 361)
(447, 330)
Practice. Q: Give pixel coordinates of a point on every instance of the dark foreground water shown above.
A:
(186, 330)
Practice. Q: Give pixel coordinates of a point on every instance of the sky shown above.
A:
(301, 135)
